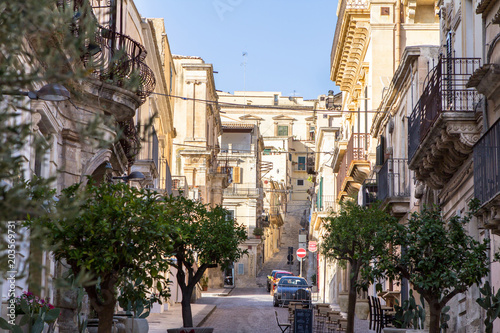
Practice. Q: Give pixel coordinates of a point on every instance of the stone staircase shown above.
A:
(290, 237)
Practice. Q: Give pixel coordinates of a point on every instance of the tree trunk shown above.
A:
(105, 315)
(187, 316)
(351, 305)
(435, 316)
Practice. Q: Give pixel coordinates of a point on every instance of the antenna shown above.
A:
(244, 64)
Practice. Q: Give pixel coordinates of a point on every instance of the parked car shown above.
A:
(292, 289)
(270, 279)
(276, 277)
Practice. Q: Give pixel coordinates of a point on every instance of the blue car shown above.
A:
(292, 289)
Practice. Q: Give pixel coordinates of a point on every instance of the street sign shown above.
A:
(301, 253)
(313, 246)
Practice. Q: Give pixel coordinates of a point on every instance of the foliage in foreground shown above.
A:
(203, 238)
(352, 237)
(437, 257)
(115, 232)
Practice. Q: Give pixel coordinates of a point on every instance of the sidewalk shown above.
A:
(159, 322)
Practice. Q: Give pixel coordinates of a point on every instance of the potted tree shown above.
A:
(115, 232)
(258, 232)
(203, 237)
(440, 259)
(352, 238)
(204, 283)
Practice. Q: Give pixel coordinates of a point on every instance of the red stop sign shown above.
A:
(301, 253)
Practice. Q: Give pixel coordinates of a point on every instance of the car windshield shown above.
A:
(280, 274)
(292, 282)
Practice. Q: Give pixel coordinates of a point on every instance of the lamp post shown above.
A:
(134, 175)
(52, 92)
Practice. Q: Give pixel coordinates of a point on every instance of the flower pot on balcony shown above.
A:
(362, 309)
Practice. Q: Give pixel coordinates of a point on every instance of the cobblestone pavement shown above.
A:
(245, 310)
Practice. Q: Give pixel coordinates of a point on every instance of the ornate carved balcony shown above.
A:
(444, 125)
(394, 186)
(355, 166)
(118, 77)
(487, 178)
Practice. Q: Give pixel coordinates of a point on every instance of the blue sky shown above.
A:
(287, 42)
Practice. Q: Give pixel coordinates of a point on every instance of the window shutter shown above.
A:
(380, 151)
(236, 175)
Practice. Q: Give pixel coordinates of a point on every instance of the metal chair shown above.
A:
(283, 326)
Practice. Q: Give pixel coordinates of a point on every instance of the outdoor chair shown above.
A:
(283, 326)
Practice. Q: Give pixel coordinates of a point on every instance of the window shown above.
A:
(276, 99)
(230, 215)
(241, 269)
(267, 151)
(300, 182)
(233, 174)
(302, 163)
(282, 130)
(312, 131)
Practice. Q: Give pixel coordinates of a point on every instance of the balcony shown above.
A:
(354, 168)
(180, 186)
(444, 125)
(242, 191)
(394, 186)
(487, 178)
(326, 203)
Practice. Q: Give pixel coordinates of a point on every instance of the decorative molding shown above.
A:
(35, 119)
(448, 145)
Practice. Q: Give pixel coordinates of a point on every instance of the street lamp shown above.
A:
(134, 175)
(53, 92)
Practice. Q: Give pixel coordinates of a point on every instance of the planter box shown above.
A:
(134, 325)
(190, 330)
(402, 330)
(362, 309)
(343, 301)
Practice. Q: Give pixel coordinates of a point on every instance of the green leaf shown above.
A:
(4, 324)
(52, 315)
(25, 306)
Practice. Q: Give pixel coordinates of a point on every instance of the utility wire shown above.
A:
(256, 106)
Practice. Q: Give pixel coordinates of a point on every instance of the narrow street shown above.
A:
(245, 310)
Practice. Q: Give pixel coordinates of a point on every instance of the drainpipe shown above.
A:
(398, 33)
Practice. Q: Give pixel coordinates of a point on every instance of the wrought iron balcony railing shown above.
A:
(487, 165)
(326, 203)
(393, 179)
(444, 91)
(118, 59)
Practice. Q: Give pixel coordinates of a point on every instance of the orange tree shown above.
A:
(203, 238)
(352, 237)
(437, 257)
(116, 233)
